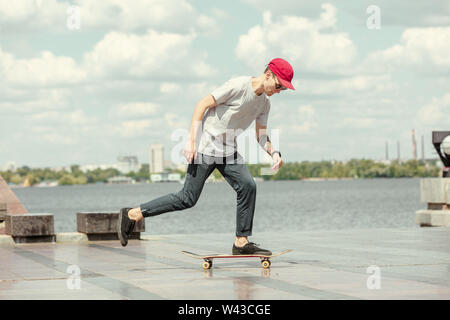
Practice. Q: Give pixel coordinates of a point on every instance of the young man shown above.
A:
(230, 109)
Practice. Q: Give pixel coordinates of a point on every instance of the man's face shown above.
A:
(272, 84)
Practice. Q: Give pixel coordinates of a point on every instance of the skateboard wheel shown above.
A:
(207, 265)
(265, 264)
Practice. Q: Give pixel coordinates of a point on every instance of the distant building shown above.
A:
(121, 180)
(414, 145)
(165, 177)
(126, 164)
(174, 166)
(10, 166)
(156, 164)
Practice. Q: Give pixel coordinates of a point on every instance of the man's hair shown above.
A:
(267, 69)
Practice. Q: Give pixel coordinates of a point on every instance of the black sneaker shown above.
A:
(125, 226)
(250, 248)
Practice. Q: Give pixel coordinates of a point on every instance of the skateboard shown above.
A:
(265, 260)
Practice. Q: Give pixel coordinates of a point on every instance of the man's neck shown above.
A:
(258, 85)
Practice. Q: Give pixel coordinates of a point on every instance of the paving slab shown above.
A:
(410, 263)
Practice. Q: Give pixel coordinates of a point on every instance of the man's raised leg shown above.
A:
(186, 198)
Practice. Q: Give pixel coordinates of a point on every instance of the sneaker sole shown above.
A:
(237, 253)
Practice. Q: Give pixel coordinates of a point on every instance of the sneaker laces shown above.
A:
(254, 244)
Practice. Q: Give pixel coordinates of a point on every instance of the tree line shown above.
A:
(356, 169)
(69, 177)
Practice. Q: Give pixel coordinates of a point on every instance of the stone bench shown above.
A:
(436, 193)
(103, 225)
(30, 227)
(433, 218)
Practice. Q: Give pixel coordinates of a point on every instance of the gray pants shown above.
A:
(235, 173)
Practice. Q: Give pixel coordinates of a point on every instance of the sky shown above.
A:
(85, 81)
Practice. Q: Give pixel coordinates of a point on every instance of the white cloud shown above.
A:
(169, 87)
(52, 16)
(168, 15)
(30, 16)
(150, 126)
(301, 121)
(305, 8)
(357, 122)
(402, 13)
(59, 127)
(32, 101)
(135, 128)
(123, 56)
(45, 70)
(307, 120)
(306, 43)
(198, 90)
(348, 86)
(58, 138)
(153, 55)
(398, 13)
(134, 109)
(175, 121)
(76, 117)
(436, 113)
(425, 49)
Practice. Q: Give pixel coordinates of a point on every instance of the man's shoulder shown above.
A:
(241, 81)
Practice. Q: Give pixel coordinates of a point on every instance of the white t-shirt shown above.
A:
(237, 107)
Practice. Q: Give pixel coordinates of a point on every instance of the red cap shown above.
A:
(283, 71)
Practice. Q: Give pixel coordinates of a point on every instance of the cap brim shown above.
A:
(286, 84)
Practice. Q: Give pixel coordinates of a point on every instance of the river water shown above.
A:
(280, 205)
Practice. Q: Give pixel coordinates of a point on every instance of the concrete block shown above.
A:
(6, 239)
(30, 227)
(435, 190)
(71, 237)
(433, 218)
(103, 225)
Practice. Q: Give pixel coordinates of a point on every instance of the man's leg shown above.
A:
(195, 179)
(239, 177)
(186, 198)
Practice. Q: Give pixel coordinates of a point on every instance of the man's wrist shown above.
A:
(273, 152)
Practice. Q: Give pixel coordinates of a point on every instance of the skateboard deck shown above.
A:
(265, 260)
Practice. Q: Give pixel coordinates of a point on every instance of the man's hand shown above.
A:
(190, 151)
(277, 161)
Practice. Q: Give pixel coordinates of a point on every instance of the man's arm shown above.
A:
(264, 141)
(204, 104)
(263, 138)
(190, 150)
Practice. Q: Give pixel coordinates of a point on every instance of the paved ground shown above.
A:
(411, 264)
